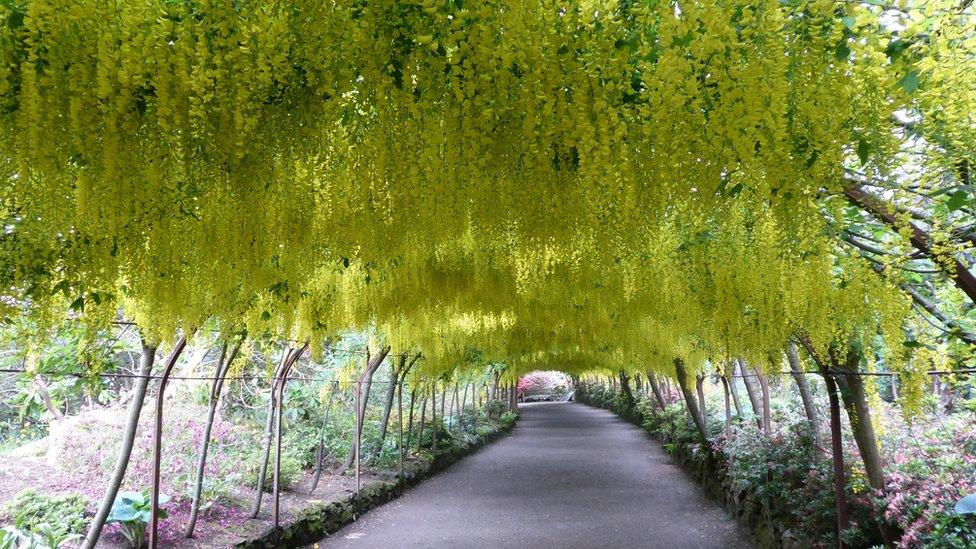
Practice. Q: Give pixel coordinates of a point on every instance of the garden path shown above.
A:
(568, 476)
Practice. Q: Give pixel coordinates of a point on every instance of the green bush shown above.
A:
(495, 408)
(291, 470)
(63, 515)
(508, 418)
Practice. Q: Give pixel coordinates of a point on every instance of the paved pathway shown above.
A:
(568, 476)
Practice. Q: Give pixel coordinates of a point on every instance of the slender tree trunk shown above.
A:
(268, 433)
(809, 406)
(840, 481)
(420, 429)
(453, 406)
(320, 454)
(728, 409)
(854, 396)
(767, 417)
(223, 365)
(700, 389)
(733, 389)
(754, 398)
(413, 400)
(400, 427)
(494, 386)
(146, 362)
(627, 392)
(682, 375)
(656, 389)
(433, 417)
(390, 394)
(364, 385)
(41, 385)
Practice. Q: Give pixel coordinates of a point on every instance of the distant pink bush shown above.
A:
(539, 382)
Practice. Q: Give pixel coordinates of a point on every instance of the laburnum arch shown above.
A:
(588, 185)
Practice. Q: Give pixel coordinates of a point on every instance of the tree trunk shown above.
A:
(320, 454)
(423, 414)
(753, 393)
(494, 386)
(433, 417)
(413, 400)
(859, 415)
(809, 406)
(767, 417)
(728, 409)
(700, 389)
(682, 375)
(453, 406)
(390, 394)
(364, 385)
(656, 389)
(41, 385)
(627, 392)
(215, 390)
(146, 362)
(268, 433)
(734, 390)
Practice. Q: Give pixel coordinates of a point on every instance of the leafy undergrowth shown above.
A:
(782, 482)
(63, 487)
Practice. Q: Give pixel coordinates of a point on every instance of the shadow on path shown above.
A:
(569, 476)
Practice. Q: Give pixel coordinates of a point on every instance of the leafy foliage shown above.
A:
(132, 512)
(48, 516)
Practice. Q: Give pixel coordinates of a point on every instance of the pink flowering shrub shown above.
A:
(92, 451)
(540, 382)
(928, 474)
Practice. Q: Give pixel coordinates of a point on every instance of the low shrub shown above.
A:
(31, 510)
(291, 470)
(929, 475)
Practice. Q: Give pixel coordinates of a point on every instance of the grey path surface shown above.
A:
(568, 476)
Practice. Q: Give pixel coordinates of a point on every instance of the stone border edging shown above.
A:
(323, 518)
(712, 477)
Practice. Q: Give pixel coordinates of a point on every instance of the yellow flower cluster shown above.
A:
(582, 184)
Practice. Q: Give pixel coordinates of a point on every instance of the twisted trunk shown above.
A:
(364, 385)
(809, 406)
(146, 362)
(682, 376)
(656, 389)
(223, 365)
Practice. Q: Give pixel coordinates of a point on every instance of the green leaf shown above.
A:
(78, 304)
(957, 200)
(863, 150)
(849, 21)
(967, 505)
(843, 51)
(910, 82)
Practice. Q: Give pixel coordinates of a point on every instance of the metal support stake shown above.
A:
(359, 427)
(843, 514)
(400, 426)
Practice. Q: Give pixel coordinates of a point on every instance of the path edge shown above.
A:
(704, 468)
(321, 519)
